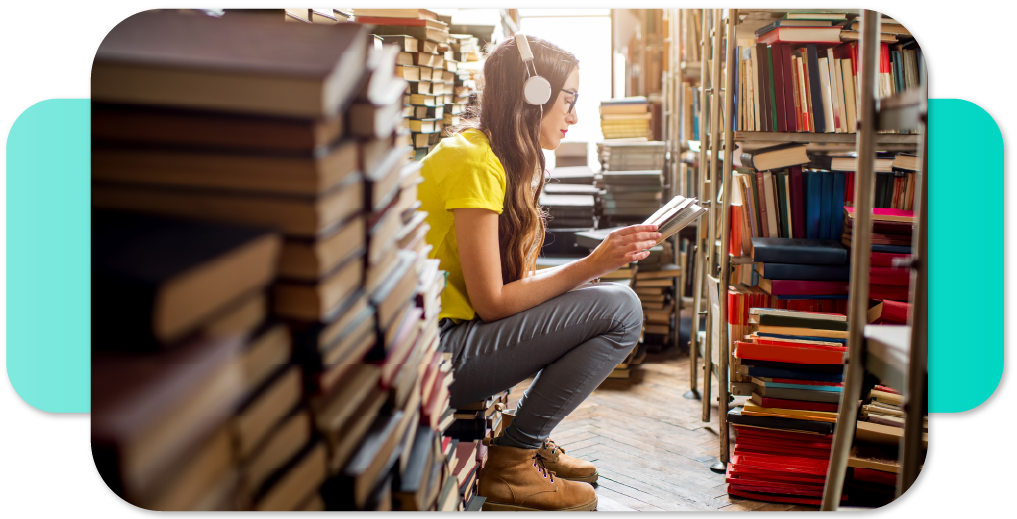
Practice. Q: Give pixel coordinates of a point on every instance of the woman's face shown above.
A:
(556, 121)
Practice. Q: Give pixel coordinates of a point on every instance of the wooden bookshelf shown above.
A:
(905, 111)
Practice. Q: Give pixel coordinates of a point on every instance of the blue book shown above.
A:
(826, 207)
(832, 389)
(813, 196)
(837, 218)
(801, 338)
(799, 298)
(806, 272)
(797, 374)
(893, 249)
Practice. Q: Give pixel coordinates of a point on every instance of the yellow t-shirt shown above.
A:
(461, 172)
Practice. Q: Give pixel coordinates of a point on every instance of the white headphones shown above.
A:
(536, 90)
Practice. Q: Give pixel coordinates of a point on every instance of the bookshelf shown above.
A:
(896, 355)
(898, 359)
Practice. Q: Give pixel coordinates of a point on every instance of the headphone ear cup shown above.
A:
(536, 90)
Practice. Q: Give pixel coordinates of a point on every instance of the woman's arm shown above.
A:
(477, 238)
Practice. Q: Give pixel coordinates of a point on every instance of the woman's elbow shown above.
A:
(488, 310)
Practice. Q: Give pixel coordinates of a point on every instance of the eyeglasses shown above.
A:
(572, 104)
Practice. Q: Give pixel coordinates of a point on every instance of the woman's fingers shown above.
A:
(642, 236)
(636, 229)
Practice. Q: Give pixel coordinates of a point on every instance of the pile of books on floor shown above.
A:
(325, 396)
(626, 118)
(798, 76)
(873, 462)
(784, 432)
(654, 285)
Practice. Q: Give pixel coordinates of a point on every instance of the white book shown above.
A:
(824, 87)
(771, 206)
(794, 313)
(849, 95)
(837, 96)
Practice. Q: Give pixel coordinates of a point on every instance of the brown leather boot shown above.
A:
(566, 467)
(517, 480)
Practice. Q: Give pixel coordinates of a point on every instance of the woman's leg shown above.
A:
(572, 342)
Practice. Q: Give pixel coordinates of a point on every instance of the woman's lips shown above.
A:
(563, 132)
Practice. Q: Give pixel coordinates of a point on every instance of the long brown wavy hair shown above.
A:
(513, 128)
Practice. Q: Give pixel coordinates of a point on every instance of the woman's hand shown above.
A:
(622, 247)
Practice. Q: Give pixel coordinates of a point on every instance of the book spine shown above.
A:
(826, 205)
(764, 218)
(789, 88)
(837, 208)
(777, 87)
(785, 231)
(818, 96)
(797, 203)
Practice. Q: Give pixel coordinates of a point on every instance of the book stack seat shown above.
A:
(794, 363)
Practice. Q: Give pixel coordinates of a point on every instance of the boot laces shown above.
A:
(538, 463)
(552, 447)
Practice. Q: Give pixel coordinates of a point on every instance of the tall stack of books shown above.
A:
(465, 51)
(422, 40)
(179, 341)
(626, 118)
(468, 456)
(801, 73)
(324, 168)
(784, 432)
(654, 285)
(572, 203)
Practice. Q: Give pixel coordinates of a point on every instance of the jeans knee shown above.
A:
(625, 305)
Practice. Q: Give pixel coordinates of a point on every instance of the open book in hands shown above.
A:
(674, 216)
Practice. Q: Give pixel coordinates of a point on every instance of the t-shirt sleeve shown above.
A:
(474, 185)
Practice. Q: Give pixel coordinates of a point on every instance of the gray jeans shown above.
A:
(571, 342)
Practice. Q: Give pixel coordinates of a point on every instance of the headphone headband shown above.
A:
(536, 90)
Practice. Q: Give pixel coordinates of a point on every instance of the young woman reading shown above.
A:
(502, 319)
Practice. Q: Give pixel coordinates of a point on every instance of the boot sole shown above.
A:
(592, 478)
(502, 507)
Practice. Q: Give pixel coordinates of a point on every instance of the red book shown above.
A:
(885, 259)
(736, 490)
(780, 434)
(797, 202)
(891, 292)
(800, 35)
(782, 463)
(797, 354)
(794, 450)
(801, 405)
(738, 470)
(794, 287)
(883, 214)
(773, 341)
(876, 476)
(890, 312)
(889, 276)
(789, 86)
(734, 245)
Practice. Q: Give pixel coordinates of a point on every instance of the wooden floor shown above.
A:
(649, 444)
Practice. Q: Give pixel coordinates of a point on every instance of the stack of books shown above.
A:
(421, 40)
(784, 432)
(633, 359)
(629, 196)
(465, 51)
(630, 155)
(626, 118)
(654, 285)
(329, 421)
(571, 154)
(874, 457)
(180, 341)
